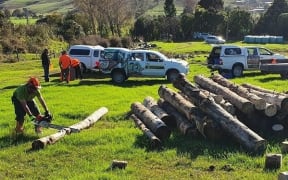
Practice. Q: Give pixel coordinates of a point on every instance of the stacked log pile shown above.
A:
(215, 108)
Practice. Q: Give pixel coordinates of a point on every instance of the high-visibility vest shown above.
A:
(75, 62)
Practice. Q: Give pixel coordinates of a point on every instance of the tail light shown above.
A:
(97, 64)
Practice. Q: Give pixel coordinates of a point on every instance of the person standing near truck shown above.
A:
(45, 64)
(77, 65)
(65, 65)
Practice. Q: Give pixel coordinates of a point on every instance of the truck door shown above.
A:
(154, 65)
(253, 59)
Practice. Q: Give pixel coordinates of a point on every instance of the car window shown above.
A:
(138, 56)
(96, 53)
(263, 51)
(232, 51)
(81, 52)
(153, 57)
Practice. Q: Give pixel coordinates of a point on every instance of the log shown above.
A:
(241, 103)
(152, 105)
(277, 99)
(284, 147)
(155, 141)
(273, 161)
(240, 132)
(259, 103)
(87, 122)
(257, 88)
(185, 126)
(118, 164)
(218, 99)
(155, 124)
(204, 124)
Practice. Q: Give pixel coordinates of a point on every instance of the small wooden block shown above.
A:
(273, 161)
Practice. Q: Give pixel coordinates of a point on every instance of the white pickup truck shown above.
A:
(236, 59)
(122, 63)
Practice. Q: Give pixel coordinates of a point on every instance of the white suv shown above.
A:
(89, 56)
(123, 63)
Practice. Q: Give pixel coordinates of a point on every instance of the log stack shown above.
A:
(217, 109)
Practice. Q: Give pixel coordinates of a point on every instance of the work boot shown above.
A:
(38, 129)
(19, 128)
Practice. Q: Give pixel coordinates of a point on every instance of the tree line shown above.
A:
(120, 21)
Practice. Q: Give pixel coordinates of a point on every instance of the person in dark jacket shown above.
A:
(45, 64)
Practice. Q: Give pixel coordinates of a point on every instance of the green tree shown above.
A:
(215, 5)
(239, 23)
(169, 8)
(267, 24)
(282, 24)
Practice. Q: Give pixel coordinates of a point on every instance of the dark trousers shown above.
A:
(78, 72)
(65, 74)
(46, 72)
(20, 112)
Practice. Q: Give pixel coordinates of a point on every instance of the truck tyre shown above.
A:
(237, 70)
(172, 75)
(284, 75)
(118, 76)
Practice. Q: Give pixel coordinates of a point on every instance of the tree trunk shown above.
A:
(155, 142)
(241, 103)
(86, 123)
(152, 105)
(259, 103)
(204, 124)
(230, 124)
(185, 126)
(156, 125)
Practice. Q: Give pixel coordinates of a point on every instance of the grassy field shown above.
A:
(88, 154)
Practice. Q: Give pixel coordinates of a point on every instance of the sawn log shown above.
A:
(204, 124)
(152, 105)
(155, 124)
(241, 133)
(155, 141)
(241, 103)
(86, 123)
(259, 103)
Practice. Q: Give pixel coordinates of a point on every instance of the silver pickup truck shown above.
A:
(122, 63)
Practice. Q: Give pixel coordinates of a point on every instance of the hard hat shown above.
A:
(35, 82)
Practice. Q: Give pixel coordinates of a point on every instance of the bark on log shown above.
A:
(90, 120)
(155, 141)
(185, 126)
(241, 133)
(155, 124)
(204, 124)
(241, 103)
(259, 103)
(279, 100)
(257, 88)
(152, 105)
(218, 99)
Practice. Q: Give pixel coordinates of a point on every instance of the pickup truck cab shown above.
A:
(88, 56)
(236, 59)
(123, 63)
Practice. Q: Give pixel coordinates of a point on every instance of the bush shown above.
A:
(115, 42)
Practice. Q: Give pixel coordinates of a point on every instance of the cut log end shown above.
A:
(37, 145)
(273, 161)
(270, 110)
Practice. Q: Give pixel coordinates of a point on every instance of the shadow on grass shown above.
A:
(15, 140)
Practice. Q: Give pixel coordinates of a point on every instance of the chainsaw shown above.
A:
(45, 122)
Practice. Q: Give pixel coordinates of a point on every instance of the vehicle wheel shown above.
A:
(237, 70)
(284, 75)
(118, 76)
(172, 75)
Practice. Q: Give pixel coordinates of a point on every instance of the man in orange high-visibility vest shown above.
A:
(77, 65)
(65, 64)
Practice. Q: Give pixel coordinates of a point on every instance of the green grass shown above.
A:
(88, 154)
